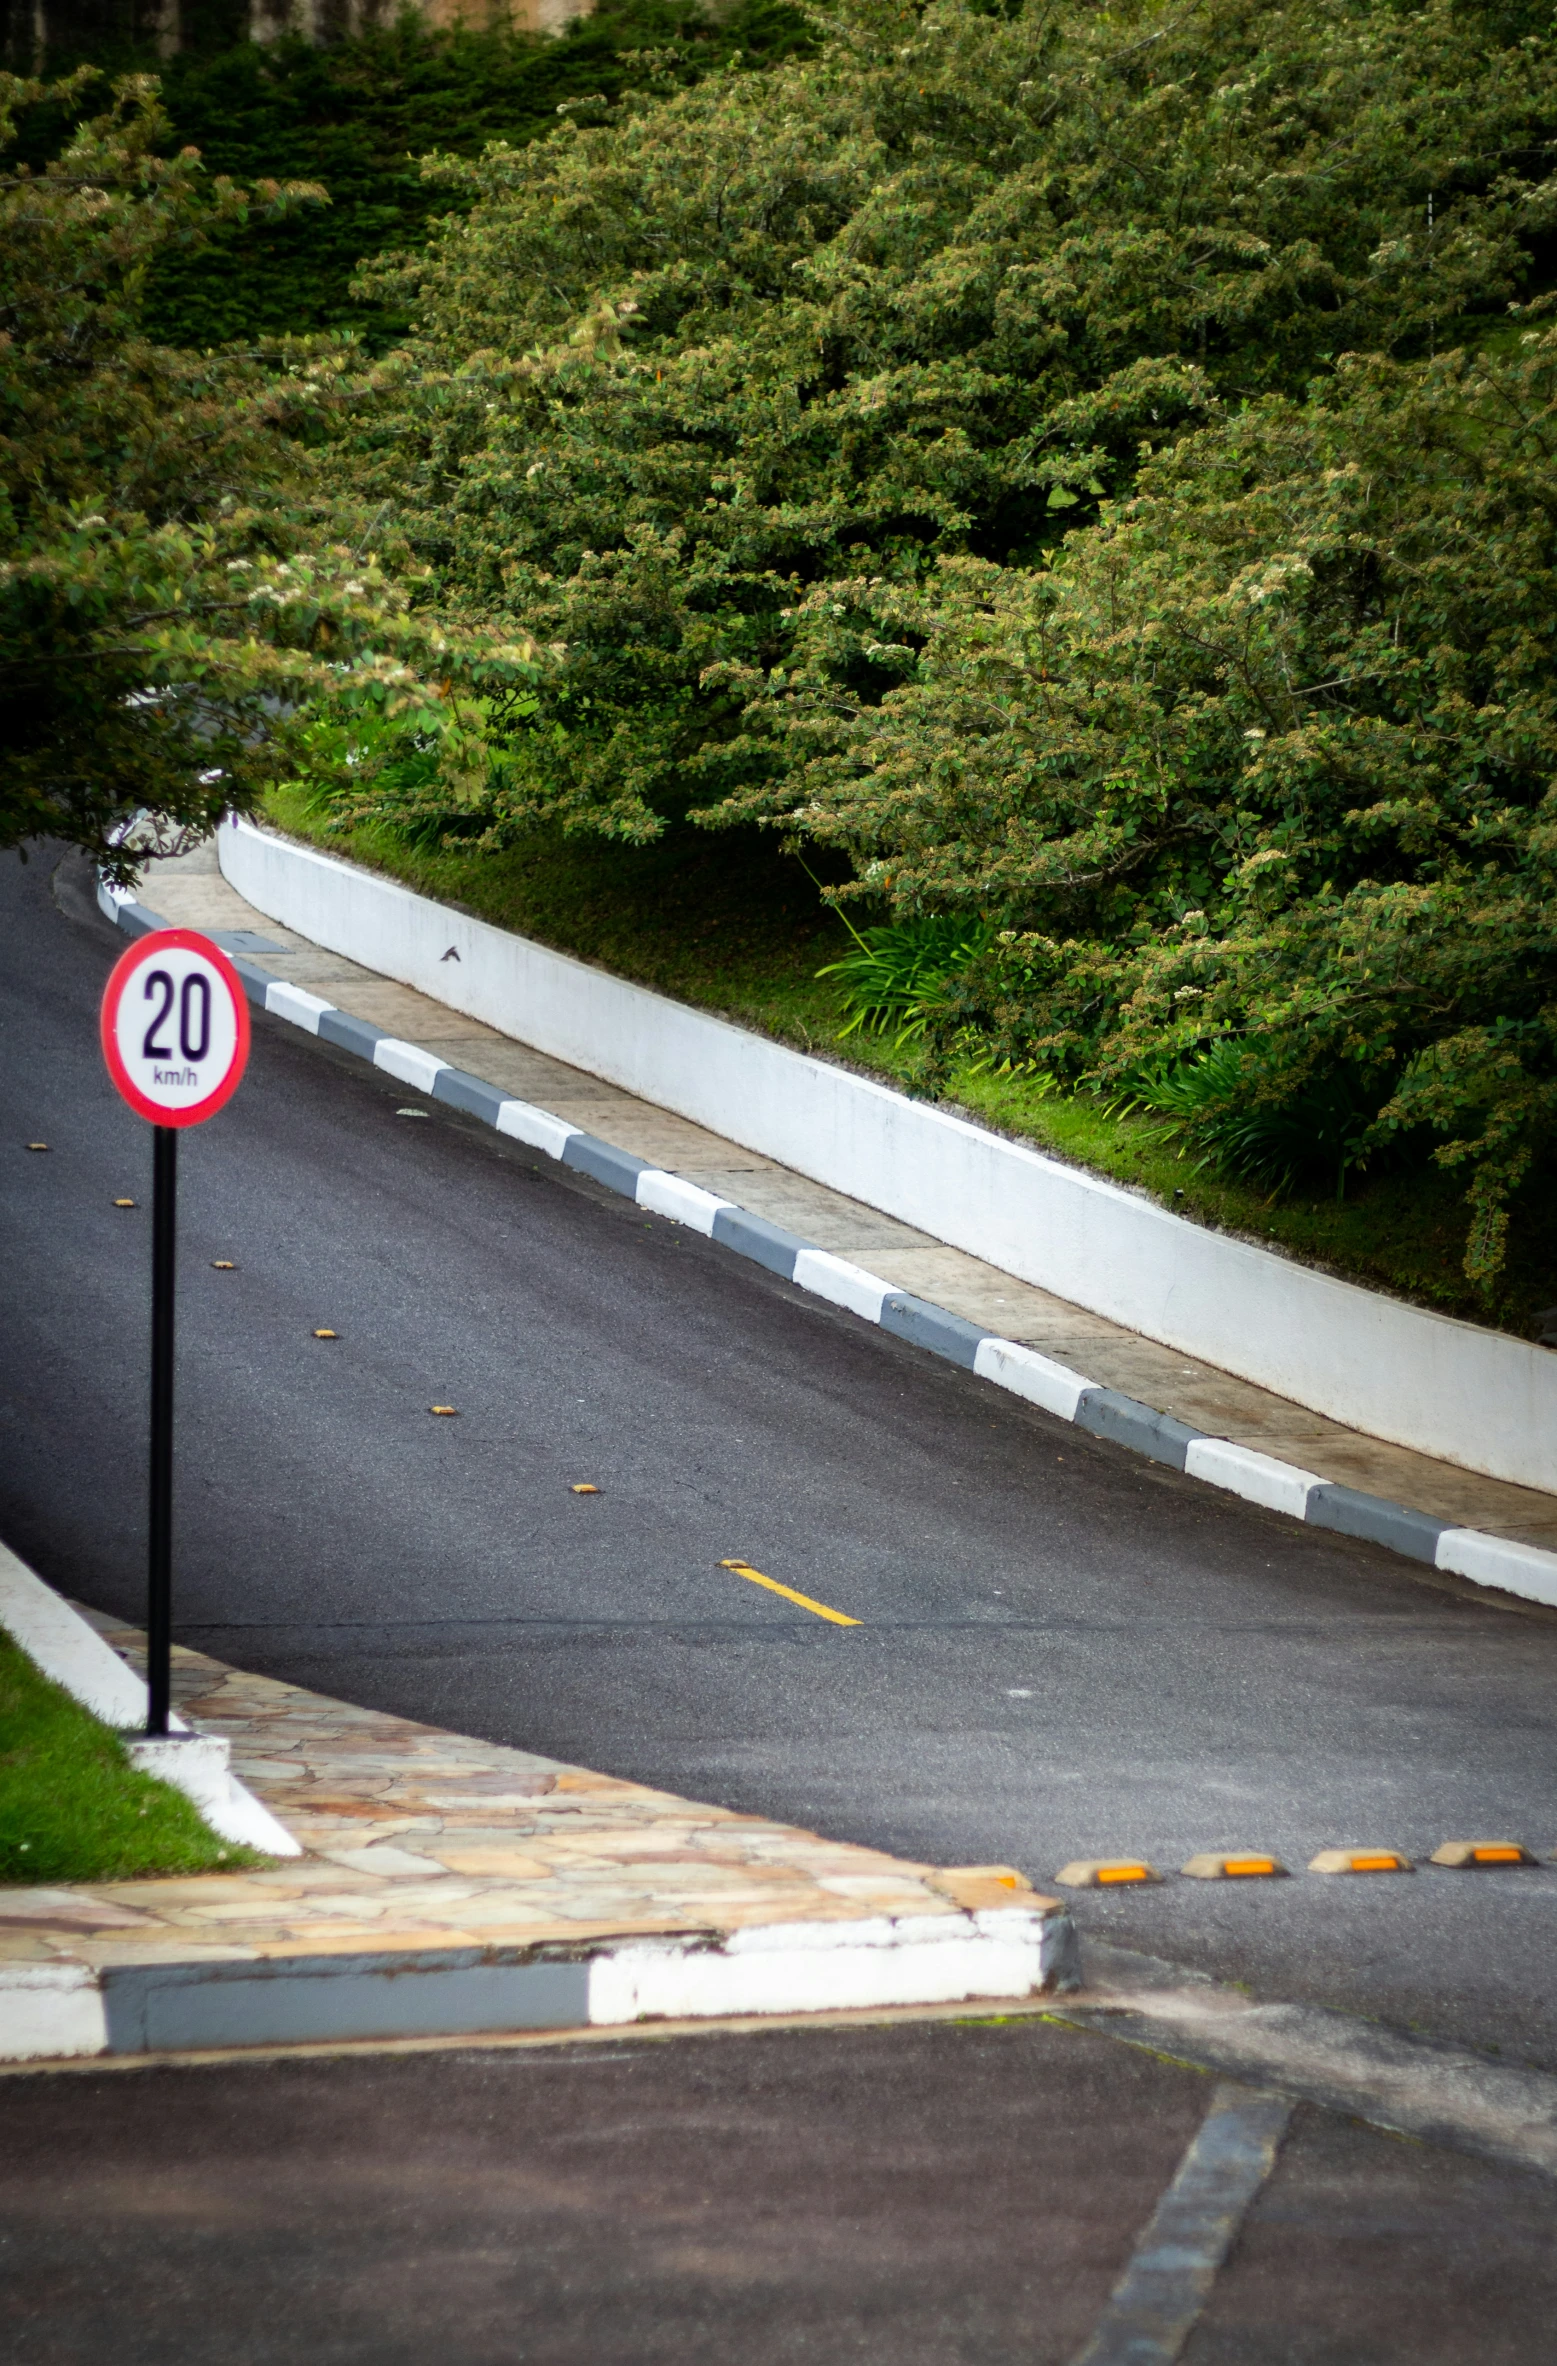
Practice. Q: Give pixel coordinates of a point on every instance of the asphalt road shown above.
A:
(1064, 1650)
(918, 2196)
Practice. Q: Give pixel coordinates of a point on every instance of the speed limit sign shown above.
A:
(175, 1027)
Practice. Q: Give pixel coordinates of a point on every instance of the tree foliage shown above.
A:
(958, 450)
(1267, 753)
(174, 588)
(356, 115)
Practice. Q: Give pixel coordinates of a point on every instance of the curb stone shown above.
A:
(1483, 1558)
(63, 2011)
(416, 1921)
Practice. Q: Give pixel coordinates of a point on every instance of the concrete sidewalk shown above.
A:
(449, 1886)
(191, 892)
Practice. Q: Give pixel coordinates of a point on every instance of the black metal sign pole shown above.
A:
(159, 1604)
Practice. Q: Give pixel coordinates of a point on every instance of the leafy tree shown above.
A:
(173, 586)
(1265, 758)
(356, 115)
(912, 449)
(925, 293)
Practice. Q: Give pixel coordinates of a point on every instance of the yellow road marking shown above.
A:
(744, 1569)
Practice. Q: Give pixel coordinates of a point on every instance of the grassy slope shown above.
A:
(72, 1808)
(733, 925)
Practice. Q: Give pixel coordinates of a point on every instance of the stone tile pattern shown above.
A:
(421, 1840)
(192, 892)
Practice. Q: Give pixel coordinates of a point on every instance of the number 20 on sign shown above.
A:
(175, 1028)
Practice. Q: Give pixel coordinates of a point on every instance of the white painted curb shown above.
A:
(826, 1967)
(685, 1203)
(1444, 1388)
(50, 2012)
(69, 1652)
(999, 1955)
(1258, 1478)
(1499, 1561)
(841, 1283)
(1028, 1374)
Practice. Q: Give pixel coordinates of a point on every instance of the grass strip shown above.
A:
(731, 924)
(73, 1808)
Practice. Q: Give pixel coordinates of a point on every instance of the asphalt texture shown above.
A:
(1064, 1651)
(952, 2195)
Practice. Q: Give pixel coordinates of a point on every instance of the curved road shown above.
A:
(1063, 1650)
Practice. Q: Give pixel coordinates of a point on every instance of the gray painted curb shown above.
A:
(1524, 1570)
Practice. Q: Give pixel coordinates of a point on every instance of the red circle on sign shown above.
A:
(137, 962)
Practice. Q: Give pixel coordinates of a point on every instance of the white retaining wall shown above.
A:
(1422, 1380)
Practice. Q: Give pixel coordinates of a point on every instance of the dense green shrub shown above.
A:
(357, 115)
(768, 404)
(1268, 753)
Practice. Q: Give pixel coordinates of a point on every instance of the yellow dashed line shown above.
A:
(819, 1609)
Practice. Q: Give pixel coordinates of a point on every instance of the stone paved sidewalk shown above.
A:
(419, 1840)
(192, 893)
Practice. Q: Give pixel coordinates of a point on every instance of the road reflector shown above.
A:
(1100, 1873)
(37, 1145)
(584, 1487)
(1466, 1853)
(336, 1335)
(838, 1618)
(1360, 1860)
(223, 1265)
(124, 1203)
(1225, 1865)
(410, 1113)
(443, 1408)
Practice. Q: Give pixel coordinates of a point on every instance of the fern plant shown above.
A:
(1212, 1100)
(906, 974)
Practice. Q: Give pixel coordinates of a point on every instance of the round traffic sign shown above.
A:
(175, 1027)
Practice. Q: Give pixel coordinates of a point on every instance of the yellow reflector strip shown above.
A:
(817, 1609)
(1123, 1873)
(1498, 1856)
(1236, 1865)
(1390, 1864)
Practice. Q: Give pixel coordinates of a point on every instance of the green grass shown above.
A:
(732, 924)
(72, 1808)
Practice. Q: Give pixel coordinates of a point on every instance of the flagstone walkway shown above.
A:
(420, 1840)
